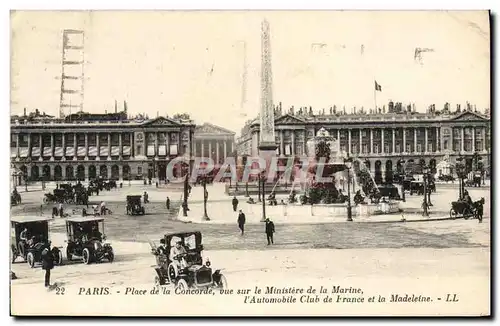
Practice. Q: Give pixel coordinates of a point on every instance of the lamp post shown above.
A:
(258, 184)
(262, 178)
(205, 197)
(246, 189)
(424, 203)
(186, 194)
(348, 164)
(403, 176)
(460, 167)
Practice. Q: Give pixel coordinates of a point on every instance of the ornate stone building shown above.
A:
(214, 142)
(383, 140)
(84, 146)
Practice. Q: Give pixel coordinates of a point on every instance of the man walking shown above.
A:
(241, 221)
(269, 231)
(168, 203)
(47, 264)
(235, 204)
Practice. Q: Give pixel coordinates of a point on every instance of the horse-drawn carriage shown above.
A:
(462, 208)
(59, 196)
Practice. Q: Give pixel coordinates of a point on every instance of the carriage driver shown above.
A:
(468, 200)
(177, 250)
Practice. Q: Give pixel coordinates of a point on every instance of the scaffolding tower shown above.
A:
(72, 76)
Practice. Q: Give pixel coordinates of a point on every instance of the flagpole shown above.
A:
(375, 96)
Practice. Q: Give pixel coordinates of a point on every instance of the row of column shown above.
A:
(217, 151)
(436, 149)
(52, 147)
(86, 171)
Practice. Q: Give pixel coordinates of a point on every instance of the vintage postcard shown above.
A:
(250, 163)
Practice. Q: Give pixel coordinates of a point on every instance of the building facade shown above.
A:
(111, 146)
(213, 142)
(383, 141)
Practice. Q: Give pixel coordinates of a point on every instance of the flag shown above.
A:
(378, 87)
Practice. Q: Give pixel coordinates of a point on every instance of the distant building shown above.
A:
(83, 146)
(382, 140)
(213, 142)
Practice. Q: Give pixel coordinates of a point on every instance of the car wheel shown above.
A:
(69, 255)
(181, 284)
(172, 273)
(111, 256)
(31, 259)
(222, 282)
(86, 256)
(453, 215)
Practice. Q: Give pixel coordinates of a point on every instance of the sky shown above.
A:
(175, 62)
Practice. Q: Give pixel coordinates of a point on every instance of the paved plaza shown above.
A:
(433, 254)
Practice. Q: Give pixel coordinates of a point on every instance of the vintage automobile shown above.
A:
(134, 206)
(37, 228)
(86, 240)
(196, 273)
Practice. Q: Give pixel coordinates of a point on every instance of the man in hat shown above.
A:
(241, 221)
(235, 203)
(177, 255)
(269, 231)
(47, 264)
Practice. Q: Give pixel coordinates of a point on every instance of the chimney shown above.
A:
(24, 111)
(116, 107)
(125, 106)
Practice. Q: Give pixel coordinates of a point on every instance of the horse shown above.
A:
(478, 209)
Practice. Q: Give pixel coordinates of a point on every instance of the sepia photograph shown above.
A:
(250, 163)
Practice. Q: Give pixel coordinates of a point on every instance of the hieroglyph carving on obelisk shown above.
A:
(267, 140)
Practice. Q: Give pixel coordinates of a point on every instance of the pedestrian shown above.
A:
(269, 231)
(47, 264)
(235, 204)
(146, 197)
(61, 209)
(168, 203)
(241, 221)
(54, 211)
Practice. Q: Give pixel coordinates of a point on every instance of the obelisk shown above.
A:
(267, 141)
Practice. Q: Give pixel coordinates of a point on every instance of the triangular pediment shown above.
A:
(160, 121)
(469, 116)
(287, 119)
(208, 128)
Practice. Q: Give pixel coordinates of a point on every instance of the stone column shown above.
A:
(109, 147)
(371, 141)
(360, 141)
(232, 146)
(202, 148)
(120, 172)
(462, 139)
(109, 171)
(98, 145)
(282, 143)
(194, 147)
(426, 141)
(51, 146)
(349, 150)
(293, 143)
(86, 151)
(17, 146)
(473, 139)
(210, 149)
(217, 156)
(404, 140)
(167, 143)
(63, 172)
(382, 139)
(75, 149)
(29, 147)
(414, 140)
(120, 146)
(225, 149)
(483, 135)
(393, 140)
(439, 142)
(156, 144)
(63, 147)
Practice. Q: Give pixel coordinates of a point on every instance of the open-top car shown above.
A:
(86, 240)
(134, 206)
(29, 237)
(181, 263)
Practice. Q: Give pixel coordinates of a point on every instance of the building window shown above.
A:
(446, 145)
(408, 148)
(419, 148)
(365, 149)
(430, 147)
(375, 148)
(386, 148)
(139, 150)
(398, 148)
(139, 170)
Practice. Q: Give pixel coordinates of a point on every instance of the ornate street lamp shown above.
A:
(425, 170)
(186, 192)
(460, 167)
(205, 197)
(262, 178)
(258, 184)
(348, 164)
(402, 180)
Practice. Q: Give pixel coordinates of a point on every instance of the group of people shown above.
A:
(269, 229)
